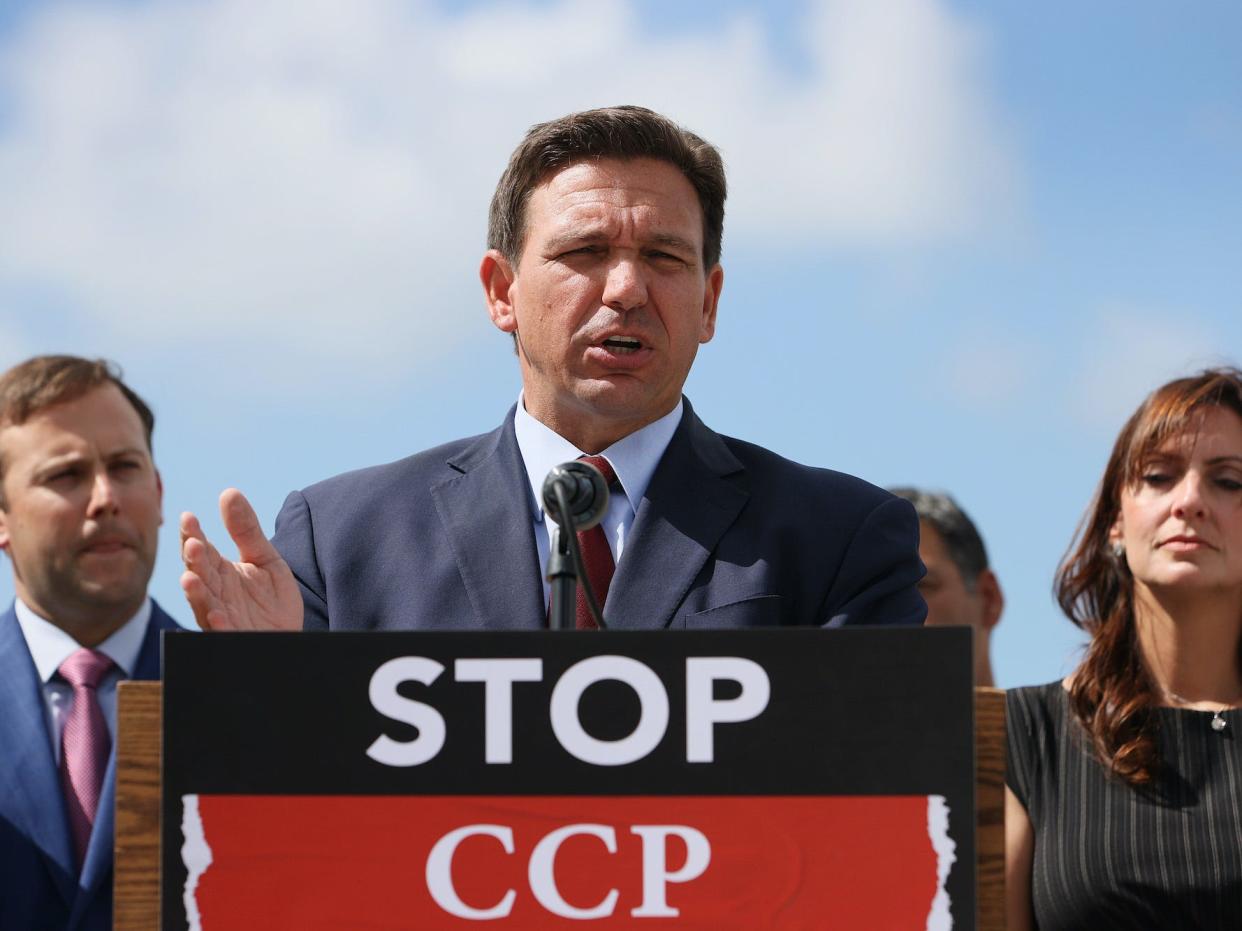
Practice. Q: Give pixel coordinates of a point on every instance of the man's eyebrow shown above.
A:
(126, 451)
(577, 237)
(673, 241)
(58, 461)
(588, 237)
(1217, 460)
(76, 457)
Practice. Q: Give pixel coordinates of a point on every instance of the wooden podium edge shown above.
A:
(136, 902)
(136, 882)
(990, 808)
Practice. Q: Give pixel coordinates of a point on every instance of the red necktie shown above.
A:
(84, 745)
(596, 556)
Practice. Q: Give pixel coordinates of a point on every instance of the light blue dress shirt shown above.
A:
(634, 458)
(50, 646)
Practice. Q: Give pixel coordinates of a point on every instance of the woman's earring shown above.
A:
(1119, 549)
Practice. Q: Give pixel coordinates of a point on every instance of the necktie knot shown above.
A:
(610, 475)
(85, 668)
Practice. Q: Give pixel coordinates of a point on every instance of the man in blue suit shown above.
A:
(79, 515)
(604, 266)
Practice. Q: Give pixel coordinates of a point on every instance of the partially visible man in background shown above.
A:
(959, 587)
(80, 510)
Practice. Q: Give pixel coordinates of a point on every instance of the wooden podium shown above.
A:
(138, 801)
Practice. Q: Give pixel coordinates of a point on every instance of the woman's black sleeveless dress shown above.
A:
(1108, 856)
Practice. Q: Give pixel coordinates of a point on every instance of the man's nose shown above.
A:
(103, 495)
(626, 286)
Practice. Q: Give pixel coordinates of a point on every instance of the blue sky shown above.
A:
(963, 238)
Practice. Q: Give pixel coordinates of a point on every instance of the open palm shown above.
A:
(257, 592)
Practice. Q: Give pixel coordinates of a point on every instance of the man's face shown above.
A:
(81, 512)
(949, 600)
(610, 298)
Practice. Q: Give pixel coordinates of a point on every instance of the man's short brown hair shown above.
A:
(624, 133)
(45, 381)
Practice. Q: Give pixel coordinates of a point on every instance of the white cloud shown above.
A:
(290, 181)
(893, 139)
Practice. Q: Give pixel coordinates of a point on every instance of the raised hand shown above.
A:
(258, 592)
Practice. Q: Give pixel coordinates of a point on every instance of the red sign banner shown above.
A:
(377, 862)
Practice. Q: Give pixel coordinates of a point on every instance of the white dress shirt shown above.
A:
(634, 458)
(50, 646)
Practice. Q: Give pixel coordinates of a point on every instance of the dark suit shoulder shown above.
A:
(818, 486)
(375, 547)
(843, 550)
(421, 470)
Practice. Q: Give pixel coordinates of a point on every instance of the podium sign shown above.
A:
(719, 779)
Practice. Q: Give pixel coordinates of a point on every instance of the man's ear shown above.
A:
(159, 490)
(4, 518)
(498, 277)
(987, 587)
(711, 300)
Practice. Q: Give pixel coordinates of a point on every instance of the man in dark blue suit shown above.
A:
(603, 265)
(79, 515)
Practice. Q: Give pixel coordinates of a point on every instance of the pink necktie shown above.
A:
(84, 745)
(596, 556)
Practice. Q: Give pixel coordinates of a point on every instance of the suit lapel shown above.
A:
(30, 796)
(485, 510)
(696, 493)
(98, 863)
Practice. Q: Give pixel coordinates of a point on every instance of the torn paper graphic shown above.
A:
(196, 855)
(941, 917)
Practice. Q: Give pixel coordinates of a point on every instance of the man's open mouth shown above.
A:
(622, 344)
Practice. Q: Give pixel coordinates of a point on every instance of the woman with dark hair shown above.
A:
(1124, 799)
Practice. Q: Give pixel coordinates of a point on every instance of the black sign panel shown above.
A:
(534, 718)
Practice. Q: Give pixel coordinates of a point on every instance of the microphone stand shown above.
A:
(566, 570)
(563, 601)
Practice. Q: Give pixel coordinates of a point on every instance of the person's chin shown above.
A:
(116, 584)
(614, 392)
(1185, 578)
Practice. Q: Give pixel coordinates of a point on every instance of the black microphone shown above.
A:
(586, 494)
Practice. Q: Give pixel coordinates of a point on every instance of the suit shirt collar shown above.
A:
(634, 457)
(50, 646)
